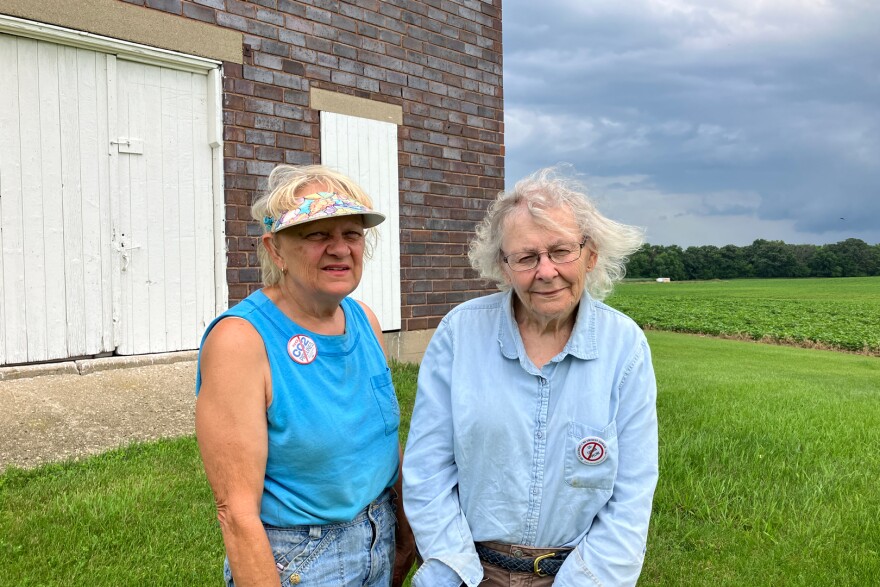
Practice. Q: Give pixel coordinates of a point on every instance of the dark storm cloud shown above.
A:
(762, 116)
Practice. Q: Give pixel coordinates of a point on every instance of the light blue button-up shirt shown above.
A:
(501, 450)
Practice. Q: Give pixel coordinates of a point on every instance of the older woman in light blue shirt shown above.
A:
(532, 452)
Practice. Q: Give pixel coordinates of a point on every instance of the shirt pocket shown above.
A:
(591, 456)
(383, 392)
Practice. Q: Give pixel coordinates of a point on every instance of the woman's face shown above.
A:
(549, 291)
(324, 258)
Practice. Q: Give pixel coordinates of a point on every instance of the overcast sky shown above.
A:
(705, 122)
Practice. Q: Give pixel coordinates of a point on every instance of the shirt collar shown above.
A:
(581, 344)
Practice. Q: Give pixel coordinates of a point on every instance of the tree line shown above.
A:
(850, 258)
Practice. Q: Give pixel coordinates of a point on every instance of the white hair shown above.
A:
(548, 189)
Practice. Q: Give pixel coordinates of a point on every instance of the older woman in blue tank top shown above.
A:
(296, 416)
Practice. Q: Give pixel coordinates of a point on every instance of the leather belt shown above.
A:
(543, 565)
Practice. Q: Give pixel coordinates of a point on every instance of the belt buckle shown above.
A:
(538, 560)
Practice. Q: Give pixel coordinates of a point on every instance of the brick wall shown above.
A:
(440, 60)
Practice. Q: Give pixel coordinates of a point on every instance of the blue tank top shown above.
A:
(333, 419)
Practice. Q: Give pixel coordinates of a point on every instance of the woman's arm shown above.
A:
(613, 551)
(430, 482)
(233, 441)
(406, 544)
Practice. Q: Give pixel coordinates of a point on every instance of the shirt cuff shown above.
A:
(435, 573)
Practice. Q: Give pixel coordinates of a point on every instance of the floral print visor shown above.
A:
(319, 206)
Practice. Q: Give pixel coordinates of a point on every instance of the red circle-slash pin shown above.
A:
(592, 450)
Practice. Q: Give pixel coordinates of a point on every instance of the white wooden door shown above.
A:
(164, 223)
(55, 275)
(109, 203)
(366, 151)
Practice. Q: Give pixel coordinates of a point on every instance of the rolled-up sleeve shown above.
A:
(430, 477)
(612, 553)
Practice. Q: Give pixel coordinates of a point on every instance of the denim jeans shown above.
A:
(359, 552)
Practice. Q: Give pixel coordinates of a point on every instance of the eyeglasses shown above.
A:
(559, 255)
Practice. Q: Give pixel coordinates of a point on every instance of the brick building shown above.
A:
(404, 95)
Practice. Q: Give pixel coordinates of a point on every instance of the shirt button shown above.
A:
(540, 434)
(535, 491)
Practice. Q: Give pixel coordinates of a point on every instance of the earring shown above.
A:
(284, 270)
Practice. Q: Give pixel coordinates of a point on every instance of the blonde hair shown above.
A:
(548, 189)
(285, 181)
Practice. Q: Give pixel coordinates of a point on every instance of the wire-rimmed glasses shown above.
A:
(559, 255)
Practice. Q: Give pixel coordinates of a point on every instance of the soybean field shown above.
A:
(834, 313)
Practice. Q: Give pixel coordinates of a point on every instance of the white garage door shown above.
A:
(107, 212)
(166, 210)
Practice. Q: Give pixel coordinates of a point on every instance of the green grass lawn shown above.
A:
(142, 515)
(768, 465)
(832, 313)
(768, 459)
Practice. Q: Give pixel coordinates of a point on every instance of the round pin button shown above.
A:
(302, 349)
(592, 450)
